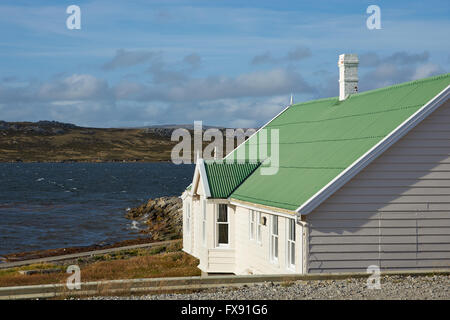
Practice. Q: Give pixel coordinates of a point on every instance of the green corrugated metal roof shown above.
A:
(224, 178)
(319, 139)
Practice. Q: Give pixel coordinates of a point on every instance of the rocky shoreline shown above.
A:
(162, 216)
(37, 254)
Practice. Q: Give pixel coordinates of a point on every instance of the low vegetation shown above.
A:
(84, 144)
(50, 141)
(160, 261)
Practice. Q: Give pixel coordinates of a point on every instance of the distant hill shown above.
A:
(55, 141)
(40, 127)
(52, 141)
(176, 126)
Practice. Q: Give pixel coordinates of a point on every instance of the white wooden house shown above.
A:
(363, 179)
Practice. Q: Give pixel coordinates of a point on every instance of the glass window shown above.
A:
(274, 239)
(258, 227)
(252, 225)
(222, 215)
(291, 243)
(222, 225)
(204, 221)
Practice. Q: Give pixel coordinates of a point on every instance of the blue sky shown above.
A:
(227, 63)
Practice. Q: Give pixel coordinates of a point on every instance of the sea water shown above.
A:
(56, 205)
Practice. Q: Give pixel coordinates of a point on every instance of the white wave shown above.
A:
(134, 225)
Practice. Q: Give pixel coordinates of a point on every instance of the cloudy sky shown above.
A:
(227, 63)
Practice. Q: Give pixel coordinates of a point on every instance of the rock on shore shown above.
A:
(163, 217)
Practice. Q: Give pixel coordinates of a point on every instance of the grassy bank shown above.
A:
(160, 261)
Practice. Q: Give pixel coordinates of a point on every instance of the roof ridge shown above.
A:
(403, 84)
(345, 116)
(313, 101)
(394, 86)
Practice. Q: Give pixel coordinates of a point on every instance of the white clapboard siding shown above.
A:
(220, 260)
(395, 213)
(253, 257)
(400, 154)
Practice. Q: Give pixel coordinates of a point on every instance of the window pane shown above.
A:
(292, 254)
(204, 231)
(223, 233)
(252, 224)
(275, 243)
(275, 225)
(204, 209)
(222, 216)
(291, 229)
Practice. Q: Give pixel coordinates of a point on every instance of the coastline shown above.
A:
(37, 254)
(162, 216)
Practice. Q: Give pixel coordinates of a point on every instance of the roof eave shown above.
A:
(357, 166)
(200, 167)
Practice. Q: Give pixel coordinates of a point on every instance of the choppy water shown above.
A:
(54, 205)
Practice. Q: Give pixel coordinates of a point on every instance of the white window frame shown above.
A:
(251, 224)
(221, 245)
(290, 223)
(258, 227)
(204, 221)
(274, 237)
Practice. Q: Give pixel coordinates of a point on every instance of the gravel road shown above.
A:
(392, 287)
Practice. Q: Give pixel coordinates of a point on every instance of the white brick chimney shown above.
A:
(348, 75)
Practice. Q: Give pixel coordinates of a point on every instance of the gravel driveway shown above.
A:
(392, 287)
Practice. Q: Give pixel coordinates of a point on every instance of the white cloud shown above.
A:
(65, 102)
(252, 84)
(395, 68)
(74, 87)
(427, 70)
(128, 58)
